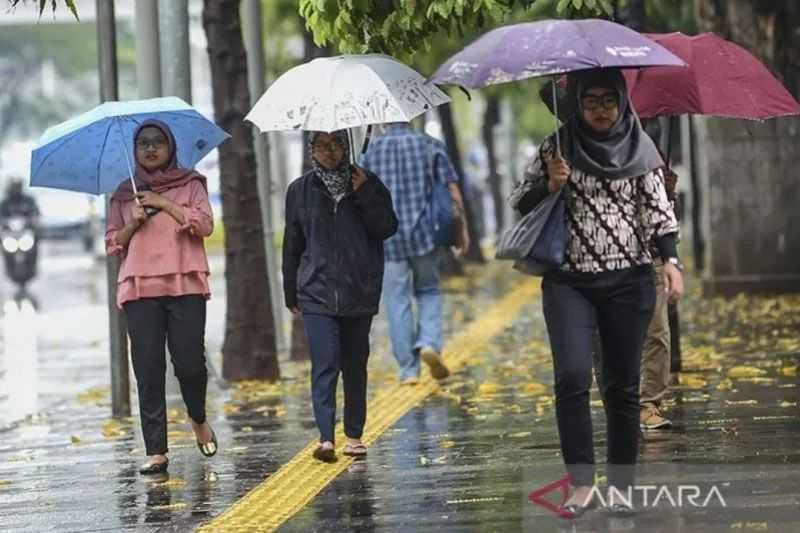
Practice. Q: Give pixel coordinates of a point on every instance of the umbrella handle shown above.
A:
(555, 115)
(352, 145)
(367, 139)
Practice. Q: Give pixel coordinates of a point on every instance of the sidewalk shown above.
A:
(464, 459)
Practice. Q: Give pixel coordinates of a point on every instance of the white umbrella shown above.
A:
(343, 92)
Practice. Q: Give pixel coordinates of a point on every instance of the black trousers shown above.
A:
(338, 344)
(620, 306)
(180, 323)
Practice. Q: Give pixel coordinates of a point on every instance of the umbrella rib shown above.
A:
(102, 149)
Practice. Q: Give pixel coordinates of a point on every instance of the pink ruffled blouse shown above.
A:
(163, 258)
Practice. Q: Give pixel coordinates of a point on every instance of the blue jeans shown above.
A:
(416, 278)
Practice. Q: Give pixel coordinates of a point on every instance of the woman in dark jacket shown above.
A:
(337, 217)
(616, 204)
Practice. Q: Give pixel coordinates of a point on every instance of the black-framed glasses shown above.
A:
(329, 147)
(143, 144)
(606, 101)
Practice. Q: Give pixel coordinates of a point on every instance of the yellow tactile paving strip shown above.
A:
(297, 482)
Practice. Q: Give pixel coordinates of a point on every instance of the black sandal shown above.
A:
(209, 449)
(151, 469)
(326, 455)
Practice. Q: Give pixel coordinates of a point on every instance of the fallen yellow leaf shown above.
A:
(693, 381)
(171, 507)
(447, 444)
(94, 395)
(741, 402)
(745, 372)
(173, 482)
(488, 388)
(112, 429)
(725, 384)
(535, 389)
(230, 408)
(520, 435)
(75, 440)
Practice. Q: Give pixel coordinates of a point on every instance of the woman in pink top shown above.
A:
(163, 284)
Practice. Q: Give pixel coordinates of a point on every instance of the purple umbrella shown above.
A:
(550, 47)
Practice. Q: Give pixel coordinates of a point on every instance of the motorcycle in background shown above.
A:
(20, 245)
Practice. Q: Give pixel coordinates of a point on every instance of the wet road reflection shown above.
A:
(20, 366)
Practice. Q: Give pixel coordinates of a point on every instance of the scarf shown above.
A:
(625, 151)
(158, 181)
(339, 180)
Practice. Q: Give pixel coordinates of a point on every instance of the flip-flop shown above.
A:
(209, 449)
(150, 469)
(326, 455)
(355, 450)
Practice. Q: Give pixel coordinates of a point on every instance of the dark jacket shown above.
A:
(333, 254)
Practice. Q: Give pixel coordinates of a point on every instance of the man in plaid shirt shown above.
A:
(407, 162)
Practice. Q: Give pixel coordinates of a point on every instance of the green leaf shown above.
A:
(606, 7)
(577, 3)
(562, 5)
(71, 6)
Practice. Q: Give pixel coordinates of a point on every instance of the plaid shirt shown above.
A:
(404, 160)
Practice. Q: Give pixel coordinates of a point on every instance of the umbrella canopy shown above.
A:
(723, 80)
(548, 47)
(93, 152)
(335, 93)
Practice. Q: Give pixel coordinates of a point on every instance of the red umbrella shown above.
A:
(723, 80)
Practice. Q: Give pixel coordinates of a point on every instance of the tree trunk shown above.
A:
(748, 169)
(248, 351)
(491, 117)
(475, 255)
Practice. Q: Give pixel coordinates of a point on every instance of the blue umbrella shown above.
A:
(93, 152)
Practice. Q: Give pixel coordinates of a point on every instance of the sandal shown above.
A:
(355, 450)
(209, 449)
(325, 454)
(577, 510)
(150, 469)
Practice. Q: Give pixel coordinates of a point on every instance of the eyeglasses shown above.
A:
(330, 147)
(606, 101)
(157, 144)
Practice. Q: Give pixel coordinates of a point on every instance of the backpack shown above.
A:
(442, 212)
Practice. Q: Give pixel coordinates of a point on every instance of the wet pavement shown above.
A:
(465, 459)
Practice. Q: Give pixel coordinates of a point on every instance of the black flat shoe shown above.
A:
(151, 469)
(209, 449)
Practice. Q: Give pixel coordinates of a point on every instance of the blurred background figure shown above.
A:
(19, 231)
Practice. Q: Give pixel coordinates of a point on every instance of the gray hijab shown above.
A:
(625, 151)
(339, 180)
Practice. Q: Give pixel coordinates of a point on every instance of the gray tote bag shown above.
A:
(537, 242)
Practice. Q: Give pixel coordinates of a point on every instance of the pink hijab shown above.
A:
(168, 177)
